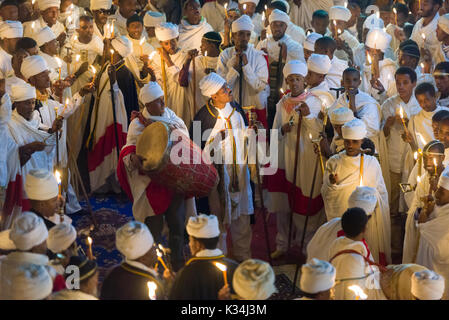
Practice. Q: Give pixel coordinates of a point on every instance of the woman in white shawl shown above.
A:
(193, 26)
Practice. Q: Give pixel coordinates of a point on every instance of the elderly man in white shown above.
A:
(427, 285)
(317, 280)
(10, 33)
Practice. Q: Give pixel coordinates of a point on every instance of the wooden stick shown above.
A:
(164, 76)
(194, 84)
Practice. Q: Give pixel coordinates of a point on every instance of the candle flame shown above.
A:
(112, 51)
(59, 61)
(368, 56)
(339, 31)
(67, 101)
(263, 16)
(205, 53)
(142, 41)
(415, 155)
(159, 254)
(346, 4)
(226, 6)
(33, 1)
(161, 247)
(418, 178)
(89, 239)
(75, 37)
(151, 290)
(266, 8)
(358, 291)
(401, 112)
(94, 71)
(422, 65)
(310, 136)
(435, 162)
(334, 22)
(282, 91)
(33, 24)
(244, 6)
(378, 15)
(395, 11)
(221, 266)
(58, 176)
(361, 181)
(423, 36)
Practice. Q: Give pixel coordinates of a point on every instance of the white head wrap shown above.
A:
(123, 46)
(33, 65)
(11, 29)
(319, 63)
(363, 197)
(370, 8)
(166, 31)
(341, 115)
(203, 226)
(309, 43)
(61, 237)
(278, 15)
(153, 18)
(22, 91)
(150, 92)
(295, 67)
(339, 13)
(5, 242)
(354, 130)
(25, 282)
(254, 280)
(211, 84)
(44, 35)
(100, 4)
(45, 4)
(378, 39)
(373, 22)
(256, 2)
(28, 231)
(317, 276)
(243, 23)
(133, 240)
(443, 182)
(443, 22)
(427, 285)
(41, 185)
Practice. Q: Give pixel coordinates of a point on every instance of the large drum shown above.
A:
(396, 283)
(189, 177)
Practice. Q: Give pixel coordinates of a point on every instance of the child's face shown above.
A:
(426, 101)
(352, 147)
(404, 85)
(351, 80)
(435, 129)
(443, 133)
(320, 25)
(296, 84)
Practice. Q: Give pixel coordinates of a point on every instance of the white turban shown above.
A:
(45, 4)
(317, 276)
(243, 23)
(309, 43)
(33, 65)
(61, 237)
(100, 4)
(427, 285)
(166, 31)
(28, 231)
(278, 15)
(11, 29)
(256, 2)
(363, 197)
(339, 13)
(133, 240)
(44, 35)
(203, 226)
(25, 282)
(123, 46)
(341, 115)
(295, 67)
(319, 63)
(373, 22)
(371, 8)
(5, 242)
(211, 84)
(150, 92)
(354, 130)
(378, 39)
(22, 91)
(153, 18)
(444, 180)
(254, 280)
(443, 22)
(41, 185)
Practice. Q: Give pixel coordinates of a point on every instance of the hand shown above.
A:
(88, 88)
(316, 149)
(68, 58)
(388, 124)
(83, 68)
(224, 293)
(321, 115)
(58, 87)
(244, 59)
(340, 42)
(26, 151)
(284, 50)
(168, 275)
(376, 84)
(112, 72)
(61, 203)
(407, 137)
(303, 109)
(192, 54)
(263, 34)
(148, 69)
(61, 39)
(144, 58)
(286, 127)
(57, 124)
(136, 161)
(399, 34)
(333, 178)
(264, 50)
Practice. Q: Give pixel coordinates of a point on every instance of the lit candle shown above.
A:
(423, 36)
(401, 114)
(151, 290)
(141, 44)
(67, 101)
(263, 16)
(361, 170)
(435, 166)
(359, 294)
(395, 16)
(226, 10)
(77, 59)
(59, 62)
(58, 179)
(90, 254)
(223, 269)
(346, 4)
(244, 8)
(159, 257)
(282, 91)
(33, 25)
(112, 55)
(335, 26)
(94, 71)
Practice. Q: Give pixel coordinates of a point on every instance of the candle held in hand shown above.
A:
(159, 257)
(151, 290)
(58, 179)
(223, 269)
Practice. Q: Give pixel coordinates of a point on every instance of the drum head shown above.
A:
(153, 144)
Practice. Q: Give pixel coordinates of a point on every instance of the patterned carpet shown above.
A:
(111, 212)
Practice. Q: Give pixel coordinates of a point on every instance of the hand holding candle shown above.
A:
(90, 254)
(435, 166)
(159, 257)
(401, 114)
(59, 62)
(58, 179)
(223, 269)
(359, 294)
(151, 290)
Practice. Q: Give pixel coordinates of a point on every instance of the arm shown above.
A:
(225, 68)
(257, 76)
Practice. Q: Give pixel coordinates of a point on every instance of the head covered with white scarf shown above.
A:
(254, 280)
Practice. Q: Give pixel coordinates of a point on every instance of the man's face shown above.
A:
(407, 61)
(135, 30)
(241, 39)
(33, 51)
(278, 29)
(9, 13)
(207, 46)
(224, 95)
(442, 83)
(41, 80)
(435, 129)
(313, 79)
(170, 45)
(25, 108)
(101, 16)
(426, 101)
(385, 16)
(156, 107)
(404, 85)
(443, 133)
(192, 12)
(352, 147)
(85, 30)
(50, 15)
(441, 196)
(351, 80)
(127, 8)
(249, 10)
(320, 25)
(295, 83)
(52, 47)
(428, 8)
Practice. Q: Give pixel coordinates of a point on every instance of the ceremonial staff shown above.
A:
(113, 112)
(194, 83)
(279, 71)
(240, 80)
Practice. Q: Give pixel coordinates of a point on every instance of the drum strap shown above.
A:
(367, 260)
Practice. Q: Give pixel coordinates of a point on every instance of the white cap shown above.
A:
(41, 185)
(339, 13)
(378, 39)
(278, 15)
(166, 31)
(11, 29)
(33, 65)
(309, 43)
(100, 4)
(443, 22)
(427, 285)
(443, 182)
(340, 116)
(370, 8)
(150, 92)
(203, 226)
(254, 280)
(243, 23)
(133, 240)
(22, 91)
(28, 231)
(45, 4)
(211, 84)
(61, 237)
(317, 276)
(153, 18)
(295, 67)
(123, 46)
(44, 35)
(319, 63)
(354, 130)
(363, 197)
(373, 22)
(256, 2)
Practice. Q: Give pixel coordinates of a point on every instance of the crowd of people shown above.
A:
(349, 99)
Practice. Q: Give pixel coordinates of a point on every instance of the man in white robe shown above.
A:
(126, 8)
(301, 11)
(248, 7)
(152, 19)
(215, 12)
(339, 17)
(10, 33)
(101, 10)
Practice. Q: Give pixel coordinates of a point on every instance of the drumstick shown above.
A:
(194, 85)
